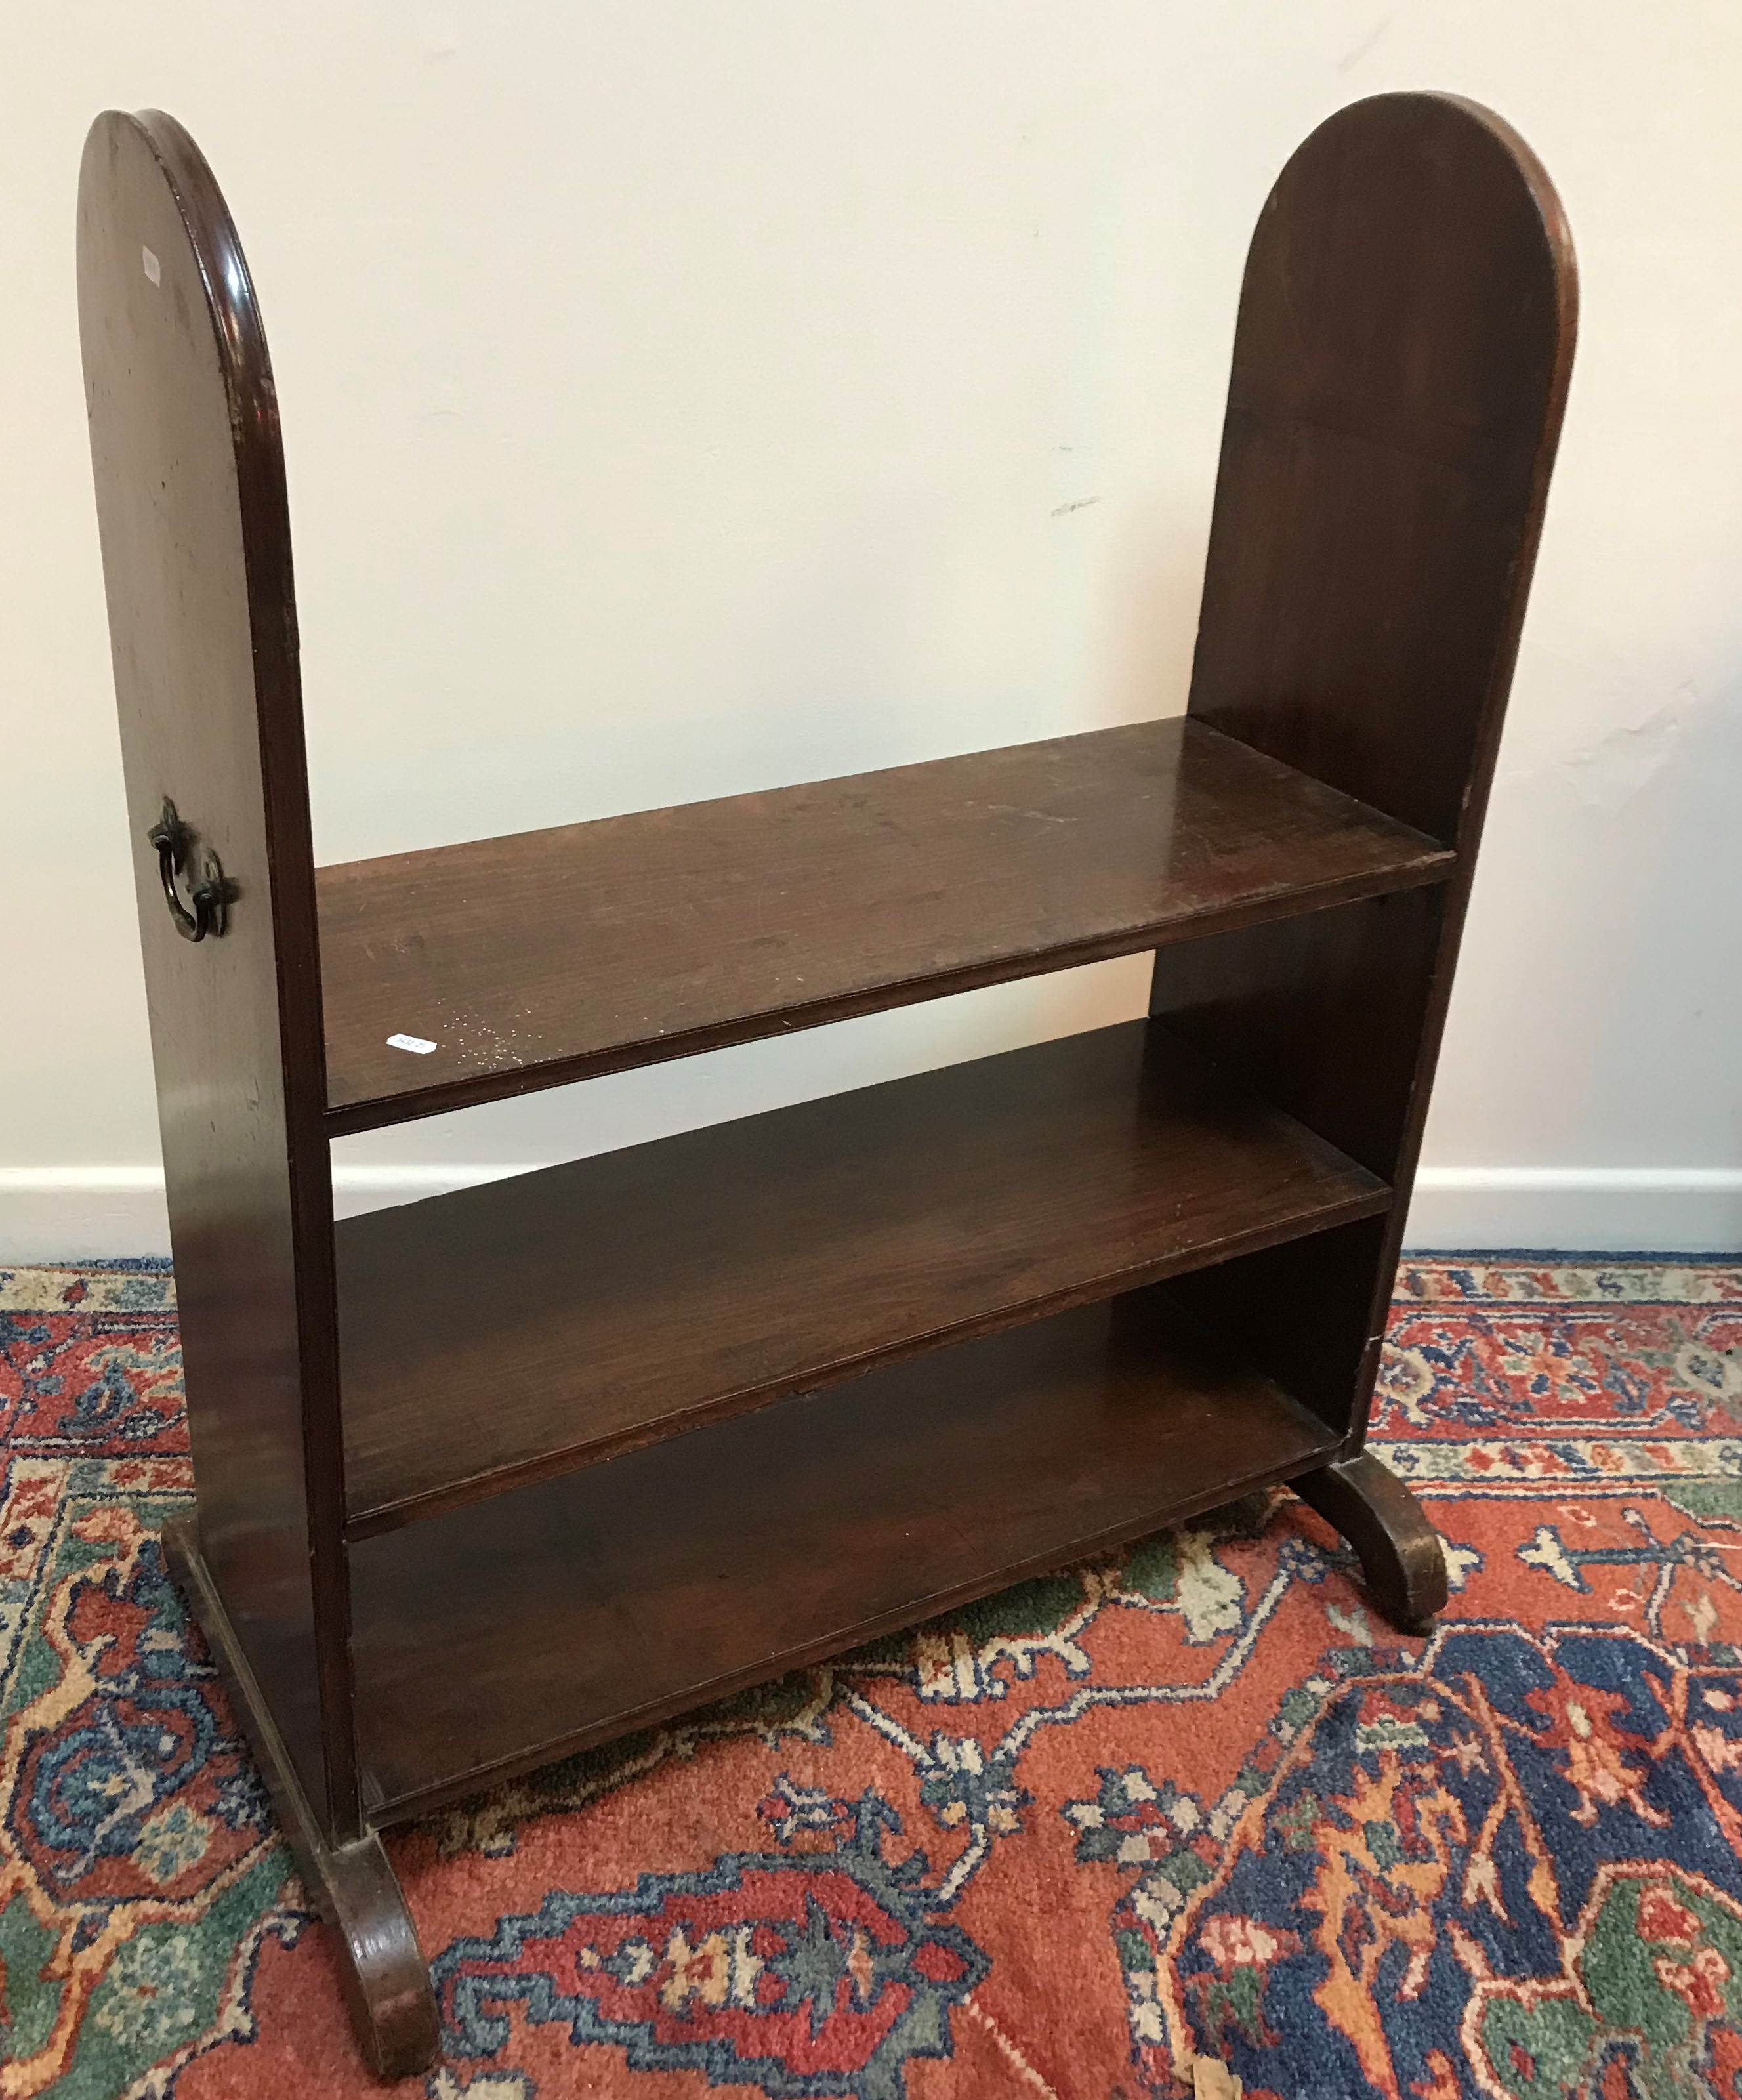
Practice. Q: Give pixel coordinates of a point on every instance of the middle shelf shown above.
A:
(510, 1332)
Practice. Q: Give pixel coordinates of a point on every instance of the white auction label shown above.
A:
(410, 1042)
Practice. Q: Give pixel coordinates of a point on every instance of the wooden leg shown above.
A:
(1400, 1552)
(387, 1980)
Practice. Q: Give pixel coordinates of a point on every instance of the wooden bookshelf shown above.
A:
(486, 1478)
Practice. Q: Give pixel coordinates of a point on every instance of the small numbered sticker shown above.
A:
(416, 1043)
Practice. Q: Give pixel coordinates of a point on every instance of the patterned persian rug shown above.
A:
(1193, 1801)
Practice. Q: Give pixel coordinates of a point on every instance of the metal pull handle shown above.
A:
(209, 897)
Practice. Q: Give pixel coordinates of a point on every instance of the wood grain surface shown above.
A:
(190, 484)
(536, 1324)
(500, 1634)
(1400, 367)
(552, 956)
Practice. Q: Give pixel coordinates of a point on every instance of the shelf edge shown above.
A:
(1436, 865)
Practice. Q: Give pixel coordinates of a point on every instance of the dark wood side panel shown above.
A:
(561, 1317)
(1401, 365)
(500, 1634)
(553, 956)
(197, 563)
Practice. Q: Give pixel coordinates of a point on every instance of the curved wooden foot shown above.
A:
(354, 1886)
(387, 1978)
(1400, 1552)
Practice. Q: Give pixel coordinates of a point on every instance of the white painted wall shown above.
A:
(684, 398)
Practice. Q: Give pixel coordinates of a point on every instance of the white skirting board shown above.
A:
(89, 1213)
(1607, 1210)
(97, 1213)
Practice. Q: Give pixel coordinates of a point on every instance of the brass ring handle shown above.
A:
(208, 897)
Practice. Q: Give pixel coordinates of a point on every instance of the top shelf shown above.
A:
(559, 955)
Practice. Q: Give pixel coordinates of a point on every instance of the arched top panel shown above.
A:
(1401, 364)
(139, 169)
(191, 496)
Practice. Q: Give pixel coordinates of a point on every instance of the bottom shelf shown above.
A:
(498, 1635)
